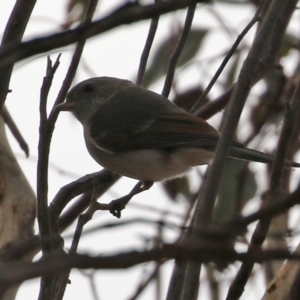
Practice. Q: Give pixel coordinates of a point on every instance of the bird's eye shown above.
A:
(89, 88)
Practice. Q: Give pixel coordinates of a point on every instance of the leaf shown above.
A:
(178, 186)
(270, 107)
(75, 12)
(233, 70)
(290, 42)
(238, 185)
(159, 64)
(189, 97)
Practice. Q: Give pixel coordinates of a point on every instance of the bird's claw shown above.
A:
(117, 206)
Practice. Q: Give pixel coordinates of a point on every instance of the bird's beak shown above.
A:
(66, 106)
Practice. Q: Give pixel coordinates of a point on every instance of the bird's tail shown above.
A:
(254, 155)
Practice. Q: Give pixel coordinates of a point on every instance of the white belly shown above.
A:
(150, 165)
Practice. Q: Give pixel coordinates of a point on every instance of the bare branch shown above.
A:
(177, 51)
(126, 15)
(226, 59)
(260, 58)
(12, 37)
(14, 130)
(147, 48)
(104, 179)
(18, 205)
(191, 251)
(261, 230)
(42, 166)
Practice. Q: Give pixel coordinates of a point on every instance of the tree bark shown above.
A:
(17, 209)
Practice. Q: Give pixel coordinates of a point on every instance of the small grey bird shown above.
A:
(134, 132)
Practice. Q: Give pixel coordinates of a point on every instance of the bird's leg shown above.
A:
(119, 204)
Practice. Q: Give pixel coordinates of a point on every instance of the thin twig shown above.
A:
(15, 130)
(211, 108)
(12, 38)
(44, 223)
(83, 219)
(42, 166)
(47, 82)
(279, 204)
(146, 282)
(178, 50)
(226, 59)
(147, 48)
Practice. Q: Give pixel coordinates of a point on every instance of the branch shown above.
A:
(18, 205)
(84, 184)
(261, 230)
(43, 158)
(15, 130)
(17, 197)
(12, 37)
(147, 48)
(269, 210)
(178, 50)
(261, 57)
(191, 251)
(46, 130)
(125, 15)
(198, 104)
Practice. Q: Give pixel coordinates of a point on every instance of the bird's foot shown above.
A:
(116, 206)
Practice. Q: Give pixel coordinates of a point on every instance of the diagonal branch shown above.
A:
(126, 15)
(12, 37)
(178, 50)
(147, 48)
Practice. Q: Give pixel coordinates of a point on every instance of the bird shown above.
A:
(134, 132)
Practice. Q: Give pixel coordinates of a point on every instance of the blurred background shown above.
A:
(117, 53)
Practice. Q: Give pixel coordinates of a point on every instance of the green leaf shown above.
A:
(178, 186)
(159, 64)
(238, 185)
(233, 70)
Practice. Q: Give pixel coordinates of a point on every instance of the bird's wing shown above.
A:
(176, 130)
(144, 130)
